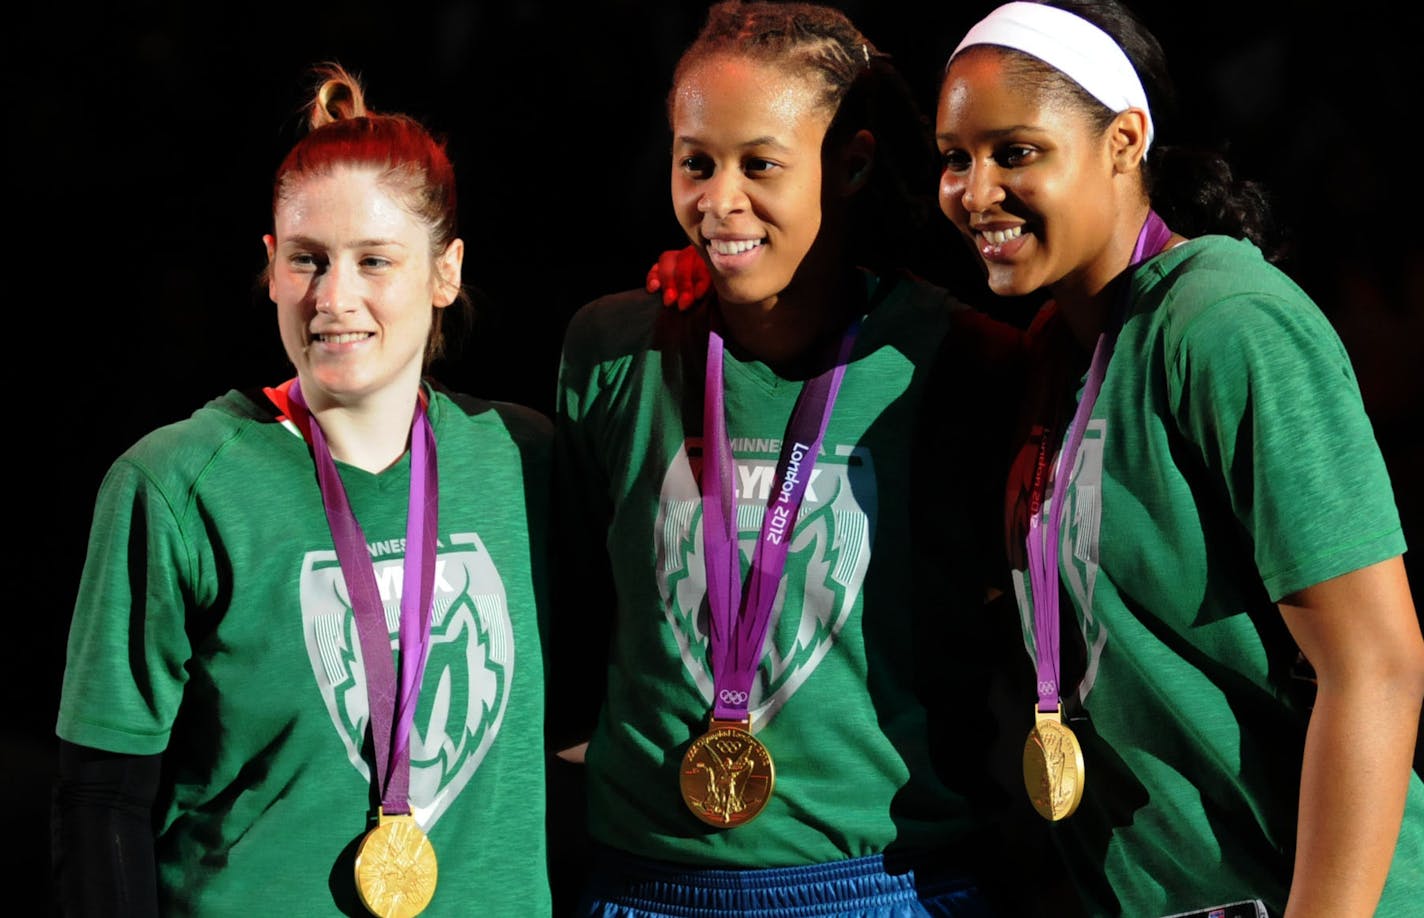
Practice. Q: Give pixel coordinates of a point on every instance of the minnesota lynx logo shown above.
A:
(825, 565)
(467, 672)
(1078, 544)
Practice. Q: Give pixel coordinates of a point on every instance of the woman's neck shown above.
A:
(1087, 298)
(790, 332)
(371, 434)
(1086, 317)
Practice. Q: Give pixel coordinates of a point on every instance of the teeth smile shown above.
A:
(999, 237)
(344, 338)
(733, 246)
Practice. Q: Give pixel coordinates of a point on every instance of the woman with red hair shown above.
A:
(306, 652)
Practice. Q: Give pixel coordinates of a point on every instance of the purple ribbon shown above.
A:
(1043, 564)
(383, 694)
(737, 622)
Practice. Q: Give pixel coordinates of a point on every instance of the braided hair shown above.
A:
(863, 90)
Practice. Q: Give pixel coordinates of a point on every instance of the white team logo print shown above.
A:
(1082, 529)
(467, 673)
(1078, 551)
(829, 552)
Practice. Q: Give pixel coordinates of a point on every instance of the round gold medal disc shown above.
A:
(395, 868)
(1053, 768)
(727, 776)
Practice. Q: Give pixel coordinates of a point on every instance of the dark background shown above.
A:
(143, 138)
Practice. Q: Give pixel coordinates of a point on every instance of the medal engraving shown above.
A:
(1053, 767)
(395, 868)
(727, 776)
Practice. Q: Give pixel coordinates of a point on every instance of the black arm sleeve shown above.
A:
(102, 842)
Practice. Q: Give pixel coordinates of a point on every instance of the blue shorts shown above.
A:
(624, 886)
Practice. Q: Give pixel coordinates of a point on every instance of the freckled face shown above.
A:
(354, 283)
(1027, 179)
(746, 172)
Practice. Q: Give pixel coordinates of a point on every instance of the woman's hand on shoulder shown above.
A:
(682, 276)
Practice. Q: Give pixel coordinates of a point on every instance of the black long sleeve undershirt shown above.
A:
(102, 841)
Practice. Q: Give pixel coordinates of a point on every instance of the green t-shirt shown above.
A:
(1228, 461)
(213, 626)
(866, 696)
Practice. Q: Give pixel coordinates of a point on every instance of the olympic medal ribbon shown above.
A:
(1053, 761)
(387, 699)
(737, 621)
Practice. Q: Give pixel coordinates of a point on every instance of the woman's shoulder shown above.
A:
(206, 430)
(1218, 309)
(178, 455)
(524, 425)
(1211, 268)
(611, 335)
(909, 290)
(1214, 284)
(617, 320)
(935, 317)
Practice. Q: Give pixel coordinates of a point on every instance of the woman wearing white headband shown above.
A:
(1234, 714)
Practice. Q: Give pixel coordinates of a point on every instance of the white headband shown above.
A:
(1075, 47)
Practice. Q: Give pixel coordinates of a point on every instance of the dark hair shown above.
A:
(343, 132)
(864, 91)
(1193, 188)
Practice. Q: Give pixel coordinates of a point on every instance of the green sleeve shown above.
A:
(1262, 386)
(124, 676)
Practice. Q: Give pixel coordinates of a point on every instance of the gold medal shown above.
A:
(1053, 767)
(727, 775)
(395, 868)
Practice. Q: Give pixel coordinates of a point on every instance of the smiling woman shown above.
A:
(1022, 179)
(1229, 697)
(787, 617)
(746, 183)
(306, 655)
(354, 279)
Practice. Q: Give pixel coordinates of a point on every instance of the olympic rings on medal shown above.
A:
(730, 696)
